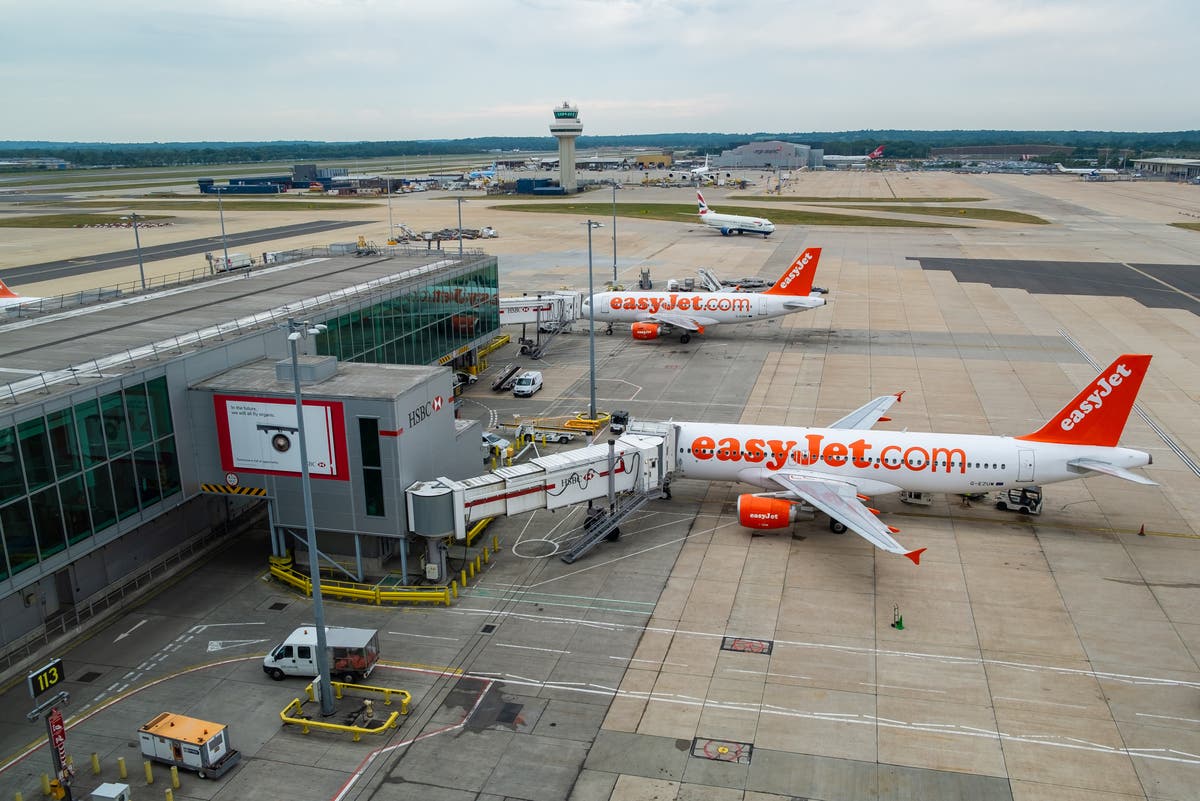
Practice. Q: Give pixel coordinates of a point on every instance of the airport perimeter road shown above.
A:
(64, 268)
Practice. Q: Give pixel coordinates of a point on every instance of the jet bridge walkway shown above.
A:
(625, 473)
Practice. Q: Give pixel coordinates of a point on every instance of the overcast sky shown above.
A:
(178, 70)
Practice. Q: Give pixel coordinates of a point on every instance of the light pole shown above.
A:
(614, 188)
(460, 200)
(591, 321)
(138, 243)
(391, 228)
(296, 331)
(224, 245)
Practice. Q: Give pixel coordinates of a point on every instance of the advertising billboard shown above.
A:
(261, 435)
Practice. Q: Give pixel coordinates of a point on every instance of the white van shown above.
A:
(236, 261)
(353, 654)
(528, 383)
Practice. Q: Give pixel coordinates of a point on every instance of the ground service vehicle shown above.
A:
(188, 743)
(235, 261)
(1026, 500)
(353, 654)
(528, 383)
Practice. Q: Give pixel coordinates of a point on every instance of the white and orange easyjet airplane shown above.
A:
(10, 298)
(834, 469)
(655, 313)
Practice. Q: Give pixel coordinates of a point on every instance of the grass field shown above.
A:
(672, 212)
(997, 215)
(211, 205)
(815, 199)
(1187, 226)
(72, 220)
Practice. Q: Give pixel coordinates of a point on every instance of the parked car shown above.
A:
(463, 377)
(491, 440)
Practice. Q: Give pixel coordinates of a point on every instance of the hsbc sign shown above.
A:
(425, 410)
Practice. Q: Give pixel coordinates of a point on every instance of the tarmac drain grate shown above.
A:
(747, 646)
(89, 677)
(278, 606)
(488, 628)
(723, 750)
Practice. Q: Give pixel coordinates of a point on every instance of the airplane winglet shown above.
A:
(900, 395)
(915, 556)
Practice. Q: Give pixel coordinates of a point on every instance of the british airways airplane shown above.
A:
(733, 223)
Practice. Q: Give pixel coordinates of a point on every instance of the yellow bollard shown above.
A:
(486, 556)
(478, 565)
(311, 695)
(454, 589)
(18, 797)
(169, 794)
(175, 777)
(495, 543)
(337, 689)
(122, 772)
(45, 784)
(95, 763)
(149, 772)
(471, 569)
(464, 578)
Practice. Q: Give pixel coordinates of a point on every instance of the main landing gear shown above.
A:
(837, 526)
(609, 329)
(685, 338)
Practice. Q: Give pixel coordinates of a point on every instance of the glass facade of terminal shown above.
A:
(421, 325)
(76, 472)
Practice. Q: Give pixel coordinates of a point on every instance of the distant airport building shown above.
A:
(566, 128)
(1171, 169)
(999, 152)
(648, 161)
(769, 155)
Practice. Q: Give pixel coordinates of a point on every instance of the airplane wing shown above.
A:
(1096, 466)
(839, 500)
(870, 414)
(690, 322)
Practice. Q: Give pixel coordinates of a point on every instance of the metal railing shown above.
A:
(271, 317)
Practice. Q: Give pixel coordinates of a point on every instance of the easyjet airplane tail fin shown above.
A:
(798, 278)
(703, 205)
(1098, 413)
(5, 292)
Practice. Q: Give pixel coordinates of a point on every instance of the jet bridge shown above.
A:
(627, 472)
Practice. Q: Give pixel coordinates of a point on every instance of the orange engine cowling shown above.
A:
(766, 513)
(645, 330)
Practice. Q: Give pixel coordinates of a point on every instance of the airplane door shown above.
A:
(1025, 462)
(760, 303)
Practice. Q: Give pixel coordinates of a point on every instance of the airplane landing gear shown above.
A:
(686, 338)
(837, 526)
(609, 329)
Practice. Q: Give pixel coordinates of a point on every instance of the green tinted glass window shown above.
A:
(62, 442)
(17, 524)
(141, 430)
(90, 428)
(116, 432)
(147, 476)
(100, 497)
(160, 407)
(76, 519)
(35, 452)
(168, 468)
(124, 486)
(368, 440)
(12, 483)
(47, 521)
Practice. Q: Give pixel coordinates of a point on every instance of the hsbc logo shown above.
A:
(425, 411)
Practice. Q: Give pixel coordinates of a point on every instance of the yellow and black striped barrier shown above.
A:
(222, 489)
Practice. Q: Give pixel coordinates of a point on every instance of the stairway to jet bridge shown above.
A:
(625, 473)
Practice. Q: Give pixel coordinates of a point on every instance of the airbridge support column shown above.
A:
(435, 513)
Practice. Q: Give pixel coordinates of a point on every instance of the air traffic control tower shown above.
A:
(565, 128)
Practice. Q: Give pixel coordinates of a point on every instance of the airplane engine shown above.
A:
(645, 330)
(765, 513)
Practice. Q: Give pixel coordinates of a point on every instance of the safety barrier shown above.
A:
(293, 713)
(281, 568)
(496, 343)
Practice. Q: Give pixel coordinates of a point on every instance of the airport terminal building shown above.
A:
(136, 432)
